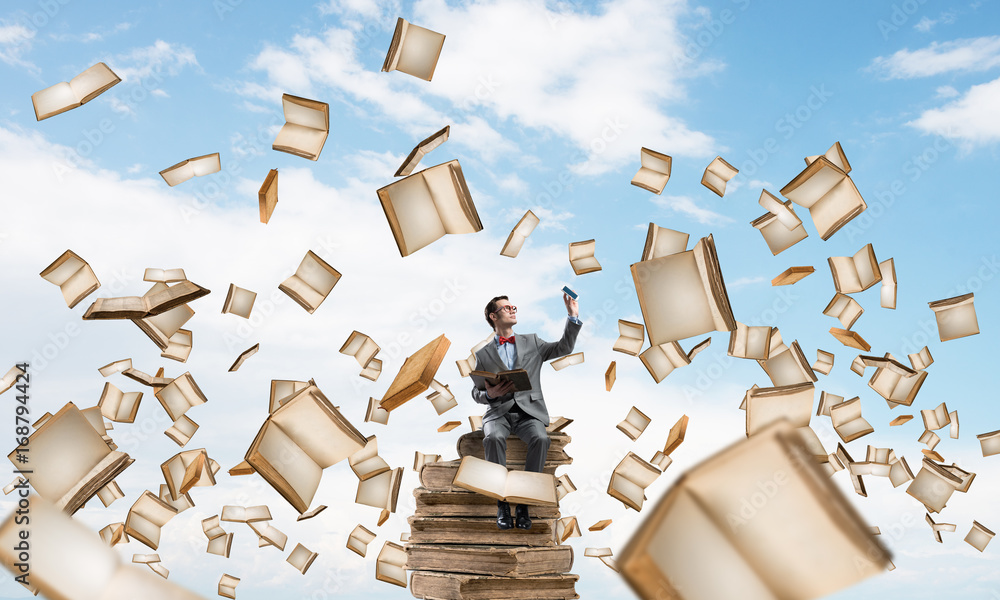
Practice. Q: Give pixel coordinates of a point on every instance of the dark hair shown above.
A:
(491, 308)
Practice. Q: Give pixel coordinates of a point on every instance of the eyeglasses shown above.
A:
(510, 308)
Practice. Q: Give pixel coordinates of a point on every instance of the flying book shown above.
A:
(979, 536)
(936, 418)
(307, 125)
(630, 479)
(609, 376)
(149, 305)
(844, 308)
(268, 535)
(164, 275)
(163, 327)
(373, 370)
(848, 422)
(676, 435)
(895, 382)
(71, 562)
(423, 207)
(188, 469)
(792, 403)
(441, 398)
(390, 566)
(851, 339)
(243, 357)
(662, 359)
(934, 485)
(448, 426)
(852, 274)
(567, 361)
(792, 275)
(302, 437)
(239, 301)
(267, 196)
(416, 374)
(192, 167)
(120, 407)
(366, 463)
(888, 290)
(361, 347)
(75, 278)
(630, 337)
(717, 174)
(182, 430)
(921, 360)
(68, 458)
(375, 413)
(634, 424)
(283, 389)
(989, 443)
(581, 257)
(180, 395)
(420, 459)
(359, 539)
(301, 558)
(380, 491)
(519, 377)
(786, 365)
(76, 92)
(493, 480)
(227, 586)
(654, 172)
(956, 317)
(414, 50)
(929, 438)
(683, 294)
(146, 517)
(312, 282)
(661, 241)
(827, 400)
(750, 342)
(421, 150)
(825, 188)
(518, 235)
(778, 237)
(824, 362)
(701, 543)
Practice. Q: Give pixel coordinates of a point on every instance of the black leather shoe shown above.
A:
(504, 520)
(522, 519)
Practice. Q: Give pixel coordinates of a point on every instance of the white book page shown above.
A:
(53, 99)
(294, 465)
(419, 221)
(675, 302)
(418, 51)
(315, 431)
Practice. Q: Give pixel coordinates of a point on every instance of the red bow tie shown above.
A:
(504, 340)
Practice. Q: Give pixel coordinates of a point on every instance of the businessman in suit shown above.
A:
(523, 413)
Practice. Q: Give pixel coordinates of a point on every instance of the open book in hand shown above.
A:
(494, 480)
(519, 377)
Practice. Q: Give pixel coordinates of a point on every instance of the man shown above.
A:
(522, 413)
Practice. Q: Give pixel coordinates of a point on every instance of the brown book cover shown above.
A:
(519, 377)
(447, 586)
(416, 374)
(471, 444)
(501, 561)
(479, 530)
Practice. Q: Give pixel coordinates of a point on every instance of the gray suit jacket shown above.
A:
(531, 353)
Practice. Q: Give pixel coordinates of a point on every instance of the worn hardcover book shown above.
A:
(501, 561)
(463, 503)
(479, 530)
(67, 95)
(307, 125)
(447, 586)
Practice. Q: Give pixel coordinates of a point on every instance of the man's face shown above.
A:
(505, 317)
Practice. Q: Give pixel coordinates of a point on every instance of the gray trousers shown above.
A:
(529, 429)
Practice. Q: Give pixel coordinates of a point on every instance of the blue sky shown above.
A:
(549, 104)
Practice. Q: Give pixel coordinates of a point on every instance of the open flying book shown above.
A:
(414, 50)
(76, 92)
(661, 241)
(717, 174)
(151, 304)
(495, 481)
(701, 542)
(421, 150)
(69, 459)
(856, 273)
(956, 317)
(683, 294)
(825, 188)
(654, 172)
(581, 257)
(519, 377)
(423, 207)
(192, 167)
(630, 479)
(75, 278)
(312, 282)
(298, 440)
(307, 125)
(519, 235)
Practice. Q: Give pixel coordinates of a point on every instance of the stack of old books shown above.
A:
(456, 551)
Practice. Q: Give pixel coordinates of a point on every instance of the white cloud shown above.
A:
(685, 205)
(924, 25)
(579, 92)
(15, 41)
(973, 118)
(150, 63)
(744, 282)
(945, 91)
(965, 55)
